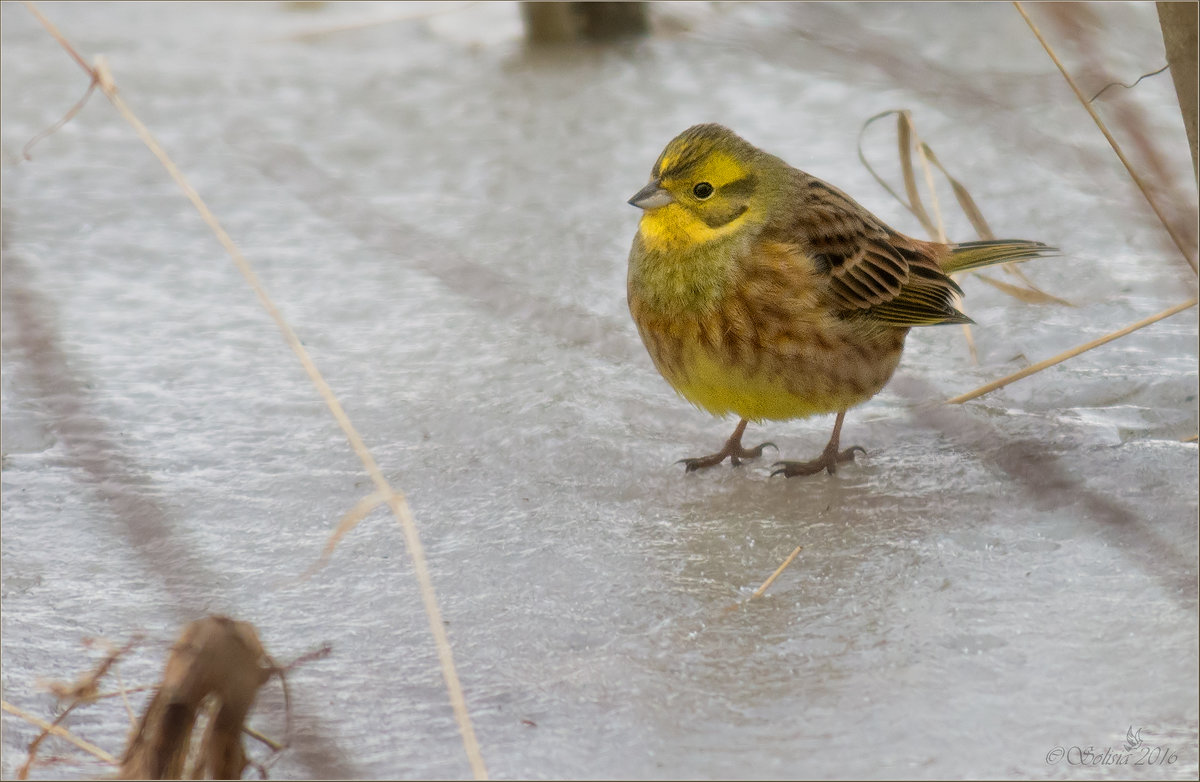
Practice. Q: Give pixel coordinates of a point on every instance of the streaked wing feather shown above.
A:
(873, 271)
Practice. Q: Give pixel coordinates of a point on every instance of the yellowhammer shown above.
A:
(762, 291)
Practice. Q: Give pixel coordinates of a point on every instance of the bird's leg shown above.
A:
(733, 449)
(829, 459)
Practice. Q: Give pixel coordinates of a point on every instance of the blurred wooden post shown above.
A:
(556, 22)
(1178, 22)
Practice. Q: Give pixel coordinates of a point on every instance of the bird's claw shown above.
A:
(696, 463)
(829, 460)
(758, 451)
(735, 457)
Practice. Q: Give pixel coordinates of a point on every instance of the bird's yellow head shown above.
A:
(705, 186)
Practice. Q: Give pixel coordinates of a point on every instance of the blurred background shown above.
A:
(434, 194)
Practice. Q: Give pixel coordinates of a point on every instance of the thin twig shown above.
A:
(905, 130)
(122, 692)
(862, 156)
(347, 523)
(270, 742)
(33, 9)
(927, 170)
(924, 154)
(281, 672)
(125, 698)
(35, 745)
(969, 336)
(396, 500)
(70, 115)
(1128, 86)
(771, 578)
(908, 138)
(1137, 180)
(1031, 294)
(1038, 367)
(79, 692)
(86, 746)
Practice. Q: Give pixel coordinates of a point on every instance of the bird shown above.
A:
(762, 291)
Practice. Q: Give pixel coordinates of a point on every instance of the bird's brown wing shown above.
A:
(872, 271)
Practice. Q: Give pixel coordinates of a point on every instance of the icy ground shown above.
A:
(441, 215)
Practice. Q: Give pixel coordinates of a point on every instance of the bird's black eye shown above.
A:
(702, 190)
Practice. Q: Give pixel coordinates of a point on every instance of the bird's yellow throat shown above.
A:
(673, 228)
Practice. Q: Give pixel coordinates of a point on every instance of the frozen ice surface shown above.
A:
(440, 214)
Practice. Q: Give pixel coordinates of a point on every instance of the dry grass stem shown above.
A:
(85, 689)
(87, 686)
(320, 653)
(771, 578)
(36, 744)
(270, 742)
(909, 140)
(925, 154)
(121, 693)
(1191, 439)
(282, 671)
(63, 733)
(125, 698)
(969, 336)
(965, 202)
(1184, 249)
(1038, 295)
(927, 170)
(70, 115)
(1030, 295)
(347, 523)
(1038, 367)
(904, 133)
(396, 500)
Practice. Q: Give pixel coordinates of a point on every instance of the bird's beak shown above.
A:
(652, 196)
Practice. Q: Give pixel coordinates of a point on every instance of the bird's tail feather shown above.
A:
(972, 255)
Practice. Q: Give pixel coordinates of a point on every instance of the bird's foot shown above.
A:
(734, 451)
(828, 460)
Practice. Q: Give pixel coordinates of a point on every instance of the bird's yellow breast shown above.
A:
(711, 384)
(765, 346)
